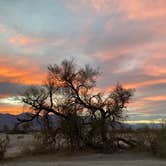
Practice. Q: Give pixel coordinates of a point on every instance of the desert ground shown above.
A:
(18, 142)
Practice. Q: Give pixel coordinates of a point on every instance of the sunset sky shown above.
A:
(125, 38)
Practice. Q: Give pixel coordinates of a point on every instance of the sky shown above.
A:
(126, 39)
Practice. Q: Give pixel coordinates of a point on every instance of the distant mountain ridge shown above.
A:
(9, 121)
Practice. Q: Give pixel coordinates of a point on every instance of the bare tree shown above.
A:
(68, 92)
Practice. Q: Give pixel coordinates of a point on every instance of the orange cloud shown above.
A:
(20, 71)
(11, 109)
(156, 98)
(4, 95)
(28, 76)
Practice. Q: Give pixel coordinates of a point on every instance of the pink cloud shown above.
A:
(131, 9)
(34, 41)
(145, 83)
(25, 40)
(2, 28)
(155, 98)
(100, 5)
(143, 9)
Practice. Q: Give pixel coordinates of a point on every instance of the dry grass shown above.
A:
(17, 143)
(4, 142)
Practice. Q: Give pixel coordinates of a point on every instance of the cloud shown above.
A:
(11, 109)
(156, 98)
(143, 9)
(10, 89)
(130, 9)
(100, 5)
(25, 40)
(2, 28)
(145, 83)
(20, 70)
(34, 41)
(4, 95)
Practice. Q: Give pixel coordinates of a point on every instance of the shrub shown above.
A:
(4, 142)
(44, 142)
(151, 140)
(158, 145)
(72, 131)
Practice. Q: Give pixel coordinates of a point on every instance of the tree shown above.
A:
(68, 92)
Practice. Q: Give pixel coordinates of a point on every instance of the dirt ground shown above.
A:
(122, 159)
(17, 142)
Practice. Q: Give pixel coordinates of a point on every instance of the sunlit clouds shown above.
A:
(20, 70)
(126, 40)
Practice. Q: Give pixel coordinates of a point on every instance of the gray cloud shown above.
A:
(11, 88)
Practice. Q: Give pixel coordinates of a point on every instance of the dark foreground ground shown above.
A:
(19, 142)
(87, 159)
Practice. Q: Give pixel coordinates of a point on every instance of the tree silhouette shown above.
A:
(68, 92)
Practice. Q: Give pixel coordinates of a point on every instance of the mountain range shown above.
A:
(9, 122)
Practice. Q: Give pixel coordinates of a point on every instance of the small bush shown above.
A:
(158, 146)
(44, 143)
(151, 140)
(4, 142)
(72, 131)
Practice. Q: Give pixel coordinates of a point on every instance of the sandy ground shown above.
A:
(88, 160)
(17, 142)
